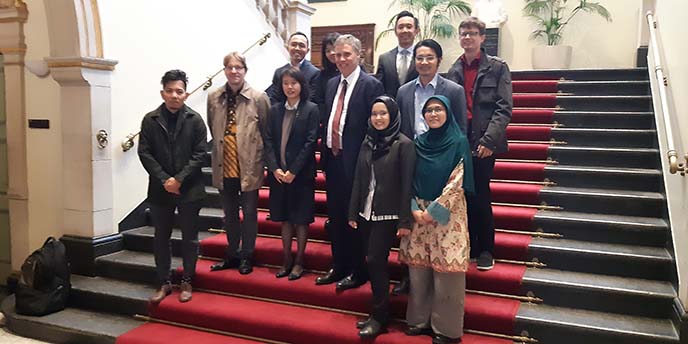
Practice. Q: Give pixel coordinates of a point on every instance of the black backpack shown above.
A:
(44, 285)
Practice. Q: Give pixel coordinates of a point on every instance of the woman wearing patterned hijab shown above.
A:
(437, 249)
(379, 201)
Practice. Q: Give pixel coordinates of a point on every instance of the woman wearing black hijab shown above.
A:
(380, 205)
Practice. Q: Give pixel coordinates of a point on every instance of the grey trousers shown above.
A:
(436, 300)
(243, 232)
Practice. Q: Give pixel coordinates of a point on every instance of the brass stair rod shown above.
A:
(128, 143)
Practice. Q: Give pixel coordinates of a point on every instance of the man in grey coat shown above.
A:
(412, 95)
(487, 82)
(396, 67)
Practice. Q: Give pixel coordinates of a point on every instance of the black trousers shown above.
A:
(378, 237)
(163, 220)
(480, 219)
(243, 232)
(348, 253)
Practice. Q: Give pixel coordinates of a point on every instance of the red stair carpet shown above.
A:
(261, 307)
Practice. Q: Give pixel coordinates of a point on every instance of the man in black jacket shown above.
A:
(487, 83)
(172, 147)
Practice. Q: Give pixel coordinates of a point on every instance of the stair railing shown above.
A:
(674, 165)
(128, 142)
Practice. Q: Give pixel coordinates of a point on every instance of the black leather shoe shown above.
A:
(284, 272)
(402, 288)
(417, 331)
(245, 267)
(441, 339)
(372, 329)
(361, 323)
(350, 282)
(232, 263)
(329, 278)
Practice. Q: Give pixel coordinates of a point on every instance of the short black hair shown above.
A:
(430, 43)
(295, 73)
(405, 13)
(299, 33)
(174, 75)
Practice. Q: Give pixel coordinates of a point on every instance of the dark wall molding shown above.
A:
(83, 251)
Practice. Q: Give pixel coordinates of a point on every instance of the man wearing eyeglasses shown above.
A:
(487, 82)
(298, 48)
(237, 117)
(411, 96)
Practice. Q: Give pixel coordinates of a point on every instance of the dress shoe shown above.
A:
(442, 339)
(185, 295)
(245, 267)
(165, 289)
(402, 288)
(485, 261)
(329, 278)
(284, 272)
(231, 263)
(417, 330)
(372, 329)
(362, 323)
(350, 282)
(296, 273)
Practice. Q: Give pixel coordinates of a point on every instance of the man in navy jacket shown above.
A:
(298, 48)
(348, 100)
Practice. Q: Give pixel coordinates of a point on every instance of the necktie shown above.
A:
(403, 67)
(336, 146)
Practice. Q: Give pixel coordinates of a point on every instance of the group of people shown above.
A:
(406, 153)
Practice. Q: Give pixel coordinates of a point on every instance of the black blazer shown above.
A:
(300, 150)
(310, 73)
(358, 112)
(387, 72)
(393, 182)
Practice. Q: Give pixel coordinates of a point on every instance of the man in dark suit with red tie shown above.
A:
(348, 100)
(396, 67)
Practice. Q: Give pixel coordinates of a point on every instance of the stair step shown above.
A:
(636, 179)
(157, 333)
(607, 87)
(582, 74)
(605, 201)
(110, 295)
(134, 266)
(627, 138)
(619, 229)
(605, 156)
(605, 119)
(550, 324)
(71, 325)
(632, 296)
(605, 103)
(603, 258)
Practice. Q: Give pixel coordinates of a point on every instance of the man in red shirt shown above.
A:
(487, 82)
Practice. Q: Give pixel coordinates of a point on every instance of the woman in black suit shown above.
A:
(329, 68)
(379, 201)
(289, 140)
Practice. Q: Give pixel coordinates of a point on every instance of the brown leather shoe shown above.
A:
(165, 290)
(185, 295)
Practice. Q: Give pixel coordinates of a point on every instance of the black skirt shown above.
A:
(293, 203)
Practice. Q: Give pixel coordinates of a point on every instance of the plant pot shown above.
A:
(551, 56)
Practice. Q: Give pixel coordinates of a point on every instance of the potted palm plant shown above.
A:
(435, 17)
(551, 18)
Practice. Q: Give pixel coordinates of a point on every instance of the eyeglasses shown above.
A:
(429, 59)
(469, 34)
(234, 68)
(433, 111)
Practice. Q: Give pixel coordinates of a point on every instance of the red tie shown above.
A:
(336, 146)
